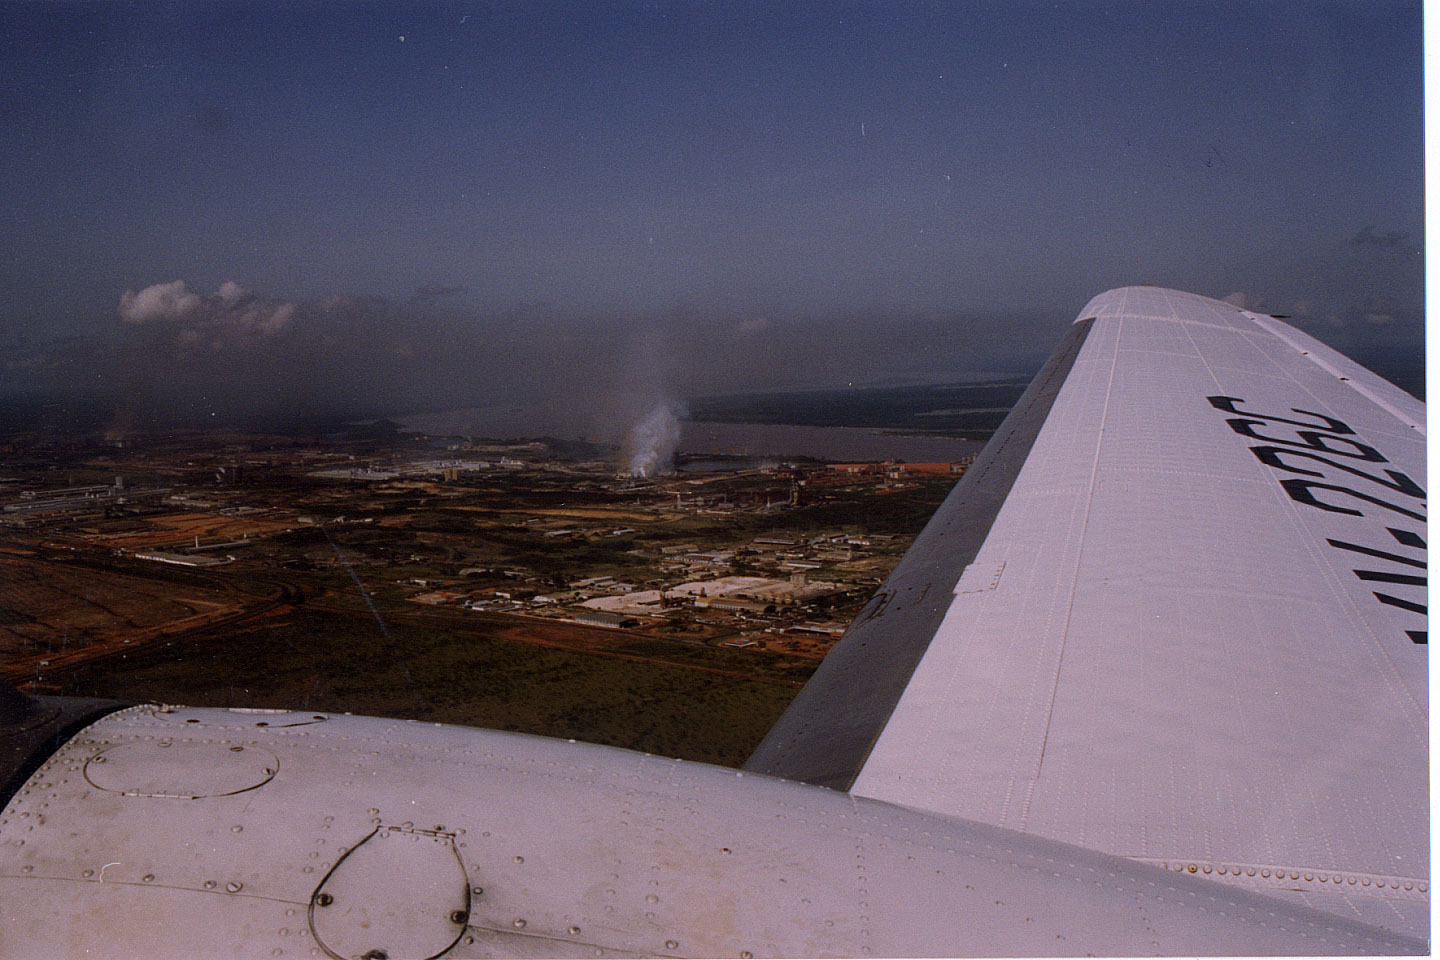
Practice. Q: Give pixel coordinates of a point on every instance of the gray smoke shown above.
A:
(650, 448)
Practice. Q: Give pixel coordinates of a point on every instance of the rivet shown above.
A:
(323, 899)
(1423, 888)
(519, 859)
(236, 749)
(87, 873)
(1206, 868)
(1264, 873)
(1192, 868)
(671, 945)
(651, 898)
(234, 886)
(26, 869)
(574, 931)
(1249, 871)
(746, 955)
(236, 829)
(1409, 885)
(147, 878)
(1350, 880)
(1365, 881)
(458, 916)
(1224, 871)
(208, 884)
(519, 924)
(477, 890)
(1307, 876)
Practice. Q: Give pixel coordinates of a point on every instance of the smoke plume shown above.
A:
(650, 447)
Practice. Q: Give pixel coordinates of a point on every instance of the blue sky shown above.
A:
(790, 194)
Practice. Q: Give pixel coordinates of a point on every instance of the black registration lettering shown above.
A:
(1336, 438)
(1300, 492)
(1399, 482)
(1331, 425)
(1314, 440)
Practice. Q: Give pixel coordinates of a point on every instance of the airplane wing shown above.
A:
(1151, 681)
(1175, 612)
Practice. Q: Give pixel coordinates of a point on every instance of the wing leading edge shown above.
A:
(827, 733)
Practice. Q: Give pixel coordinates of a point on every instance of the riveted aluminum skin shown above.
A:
(1195, 633)
(563, 849)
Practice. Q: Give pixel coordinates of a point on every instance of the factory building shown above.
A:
(180, 559)
(600, 618)
(735, 605)
(930, 469)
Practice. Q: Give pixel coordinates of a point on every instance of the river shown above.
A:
(702, 439)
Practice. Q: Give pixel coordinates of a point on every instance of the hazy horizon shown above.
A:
(258, 209)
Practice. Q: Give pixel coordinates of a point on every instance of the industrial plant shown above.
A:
(265, 563)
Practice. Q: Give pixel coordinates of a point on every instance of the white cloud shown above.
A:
(160, 301)
(231, 292)
(266, 319)
(229, 315)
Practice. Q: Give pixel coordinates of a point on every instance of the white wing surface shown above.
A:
(1194, 632)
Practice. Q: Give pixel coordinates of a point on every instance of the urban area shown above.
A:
(441, 577)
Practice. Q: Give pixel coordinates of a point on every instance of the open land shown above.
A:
(520, 585)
